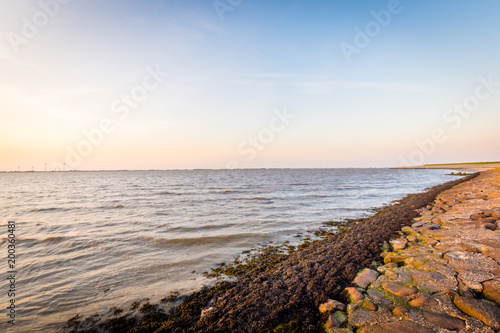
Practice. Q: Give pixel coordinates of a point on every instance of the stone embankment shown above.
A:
(442, 274)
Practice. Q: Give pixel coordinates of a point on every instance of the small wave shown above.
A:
(162, 213)
(201, 227)
(111, 207)
(37, 210)
(54, 239)
(317, 196)
(230, 191)
(299, 184)
(53, 209)
(346, 209)
(169, 193)
(260, 198)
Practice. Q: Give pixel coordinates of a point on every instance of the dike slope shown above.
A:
(441, 275)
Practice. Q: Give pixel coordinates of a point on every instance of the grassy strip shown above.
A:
(470, 163)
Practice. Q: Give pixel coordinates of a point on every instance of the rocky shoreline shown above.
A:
(281, 293)
(441, 274)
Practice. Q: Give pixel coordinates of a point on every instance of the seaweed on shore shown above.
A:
(279, 291)
(254, 261)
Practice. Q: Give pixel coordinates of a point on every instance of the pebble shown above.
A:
(391, 275)
(353, 294)
(365, 277)
(491, 290)
(492, 253)
(339, 330)
(368, 305)
(396, 327)
(398, 244)
(466, 261)
(417, 225)
(399, 311)
(444, 320)
(407, 230)
(398, 289)
(480, 309)
(431, 226)
(395, 259)
(331, 305)
(423, 300)
(377, 296)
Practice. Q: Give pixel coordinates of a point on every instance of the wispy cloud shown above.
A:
(288, 76)
(323, 84)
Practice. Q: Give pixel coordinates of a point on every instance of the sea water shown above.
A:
(89, 241)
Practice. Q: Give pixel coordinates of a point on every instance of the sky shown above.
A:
(184, 84)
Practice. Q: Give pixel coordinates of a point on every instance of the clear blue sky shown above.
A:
(232, 67)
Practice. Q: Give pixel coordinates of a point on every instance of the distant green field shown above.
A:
(462, 163)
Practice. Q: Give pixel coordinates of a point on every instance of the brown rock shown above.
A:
(423, 300)
(491, 290)
(399, 311)
(412, 238)
(431, 226)
(398, 244)
(391, 275)
(368, 305)
(488, 242)
(490, 226)
(339, 330)
(464, 290)
(444, 320)
(365, 277)
(479, 216)
(467, 261)
(433, 281)
(331, 305)
(362, 317)
(480, 309)
(496, 271)
(398, 289)
(473, 279)
(407, 230)
(430, 241)
(468, 247)
(395, 259)
(353, 294)
(377, 296)
(492, 253)
(331, 322)
(488, 220)
(396, 327)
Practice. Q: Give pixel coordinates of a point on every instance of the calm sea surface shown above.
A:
(88, 241)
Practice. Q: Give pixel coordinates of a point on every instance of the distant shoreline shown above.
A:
(476, 166)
